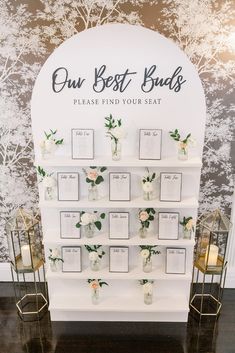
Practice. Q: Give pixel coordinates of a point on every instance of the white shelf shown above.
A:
(190, 202)
(52, 237)
(119, 304)
(128, 161)
(133, 274)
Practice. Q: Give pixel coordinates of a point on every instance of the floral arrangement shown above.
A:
(49, 144)
(96, 283)
(183, 143)
(54, 256)
(146, 216)
(95, 252)
(114, 128)
(147, 184)
(47, 179)
(188, 223)
(93, 175)
(147, 251)
(91, 218)
(147, 285)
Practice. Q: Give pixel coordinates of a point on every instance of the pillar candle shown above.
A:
(26, 257)
(213, 254)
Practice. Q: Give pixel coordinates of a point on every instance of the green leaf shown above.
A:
(119, 122)
(93, 167)
(153, 176)
(59, 142)
(88, 180)
(102, 216)
(151, 218)
(102, 169)
(98, 225)
(99, 180)
(78, 225)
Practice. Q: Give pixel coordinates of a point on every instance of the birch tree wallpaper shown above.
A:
(31, 30)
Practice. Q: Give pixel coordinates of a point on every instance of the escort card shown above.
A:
(68, 186)
(175, 260)
(119, 186)
(119, 225)
(68, 221)
(170, 186)
(118, 259)
(82, 144)
(168, 226)
(71, 256)
(150, 141)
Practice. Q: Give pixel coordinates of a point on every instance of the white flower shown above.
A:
(143, 216)
(50, 146)
(93, 255)
(49, 182)
(42, 144)
(144, 253)
(92, 175)
(189, 225)
(147, 186)
(87, 218)
(55, 253)
(118, 132)
(148, 288)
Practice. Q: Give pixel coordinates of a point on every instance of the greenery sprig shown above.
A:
(144, 281)
(51, 136)
(149, 178)
(99, 282)
(53, 258)
(176, 136)
(151, 250)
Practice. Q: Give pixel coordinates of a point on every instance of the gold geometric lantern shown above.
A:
(27, 264)
(210, 263)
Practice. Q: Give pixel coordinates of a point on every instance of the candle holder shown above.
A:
(27, 264)
(210, 260)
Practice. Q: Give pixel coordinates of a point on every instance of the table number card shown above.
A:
(175, 260)
(82, 144)
(170, 186)
(168, 225)
(119, 225)
(118, 259)
(150, 141)
(68, 221)
(119, 186)
(68, 186)
(71, 256)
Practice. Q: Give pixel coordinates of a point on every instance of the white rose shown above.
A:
(93, 255)
(50, 146)
(189, 225)
(145, 253)
(49, 182)
(87, 218)
(118, 132)
(148, 288)
(147, 186)
(42, 144)
(55, 253)
(143, 216)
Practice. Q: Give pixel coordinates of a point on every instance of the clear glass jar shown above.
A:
(182, 151)
(49, 193)
(55, 266)
(187, 234)
(95, 296)
(92, 192)
(143, 232)
(147, 265)
(148, 195)
(89, 230)
(148, 298)
(95, 264)
(116, 150)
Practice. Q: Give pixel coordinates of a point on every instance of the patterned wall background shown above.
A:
(31, 30)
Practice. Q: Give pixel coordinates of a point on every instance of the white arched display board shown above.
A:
(141, 77)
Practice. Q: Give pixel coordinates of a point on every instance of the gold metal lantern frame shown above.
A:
(210, 264)
(27, 265)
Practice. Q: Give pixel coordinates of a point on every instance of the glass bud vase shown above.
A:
(95, 296)
(55, 266)
(148, 298)
(116, 150)
(143, 232)
(148, 195)
(182, 151)
(187, 233)
(95, 264)
(92, 193)
(147, 265)
(89, 230)
(49, 193)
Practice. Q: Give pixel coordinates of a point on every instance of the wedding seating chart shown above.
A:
(71, 256)
(170, 186)
(118, 259)
(68, 186)
(82, 144)
(119, 225)
(175, 260)
(68, 221)
(150, 143)
(119, 186)
(168, 227)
